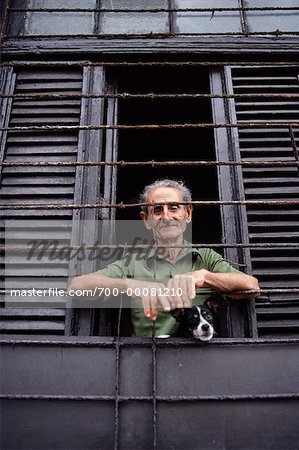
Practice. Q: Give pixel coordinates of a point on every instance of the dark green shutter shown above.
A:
(277, 314)
(40, 185)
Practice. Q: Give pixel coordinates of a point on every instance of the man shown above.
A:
(167, 277)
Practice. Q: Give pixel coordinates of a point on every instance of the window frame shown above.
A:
(240, 317)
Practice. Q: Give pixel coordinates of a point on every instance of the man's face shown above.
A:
(168, 222)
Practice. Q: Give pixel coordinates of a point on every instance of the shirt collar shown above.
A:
(154, 253)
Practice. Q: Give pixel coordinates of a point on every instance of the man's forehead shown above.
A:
(164, 194)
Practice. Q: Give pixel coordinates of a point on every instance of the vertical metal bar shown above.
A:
(116, 415)
(117, 380)
(97, 17)
(294, 146)
(7, 86)
(117, 371)
(154, 381)
(5, 21)
(243, 18)
(171, 17)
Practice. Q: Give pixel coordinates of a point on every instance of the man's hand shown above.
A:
(184, 283)
(151, 295)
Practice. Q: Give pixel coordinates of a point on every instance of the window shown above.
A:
(207, 21)
(153, 18)
(176, 89)
(110, 105)
(56, 22)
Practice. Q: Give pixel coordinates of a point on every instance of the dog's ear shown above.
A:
(177, 313)
(214, 302)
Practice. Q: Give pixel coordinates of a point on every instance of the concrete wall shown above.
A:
(90, 393)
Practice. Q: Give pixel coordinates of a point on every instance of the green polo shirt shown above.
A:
(154, 267)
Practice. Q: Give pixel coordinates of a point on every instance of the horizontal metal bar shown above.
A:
(106, 342)
(267, 245)
(132, 205)
(156, 10)
(150, 96)
(147, 63)
(165, 35)
(147, 163)
(160, 398)
(200, 291)
(175, 126)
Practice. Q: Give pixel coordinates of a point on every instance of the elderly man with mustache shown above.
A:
(167, 277)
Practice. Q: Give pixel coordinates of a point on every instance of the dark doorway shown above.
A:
(168, 144)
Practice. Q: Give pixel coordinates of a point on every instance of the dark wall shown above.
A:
(228, 394)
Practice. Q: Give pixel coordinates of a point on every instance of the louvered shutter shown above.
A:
(42, 185)
(277, 314)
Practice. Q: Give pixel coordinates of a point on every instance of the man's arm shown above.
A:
(226, 282)
(148, 290)
(92, 281)
(218, 281)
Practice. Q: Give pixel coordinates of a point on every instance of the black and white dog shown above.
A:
(197, 322)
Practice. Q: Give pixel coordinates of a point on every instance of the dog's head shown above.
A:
(198, 321)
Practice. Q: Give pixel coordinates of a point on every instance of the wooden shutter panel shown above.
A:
(278, 315)
(40, 185)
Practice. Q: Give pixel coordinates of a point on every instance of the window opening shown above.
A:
(168, 144)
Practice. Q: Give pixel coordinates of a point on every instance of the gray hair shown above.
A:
(166, 183)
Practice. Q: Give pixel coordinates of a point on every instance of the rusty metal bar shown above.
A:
(147, 63)
(266, 245)
(294, 146)
(117, 382)
(150, 96)
(147, 163)
(199, 291)
(175, 126)
(143, 342)
(157, 10)
(122, 205)
(160, 398)
(166, 35)
(154, 385)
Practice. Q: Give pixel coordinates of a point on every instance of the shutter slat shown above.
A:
(49, 86)
(53, 180)
(34, 121)
(56, 74)
(32, 326)
(278, 311)
(277, 191)
(273, 259)
(269, 181)
(32, 312)
(43, 150)
(27, 191)
(280, 324)
(37, 138)
(45, 105)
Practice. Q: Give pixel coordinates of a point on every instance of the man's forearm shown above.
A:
(92, 281)
(147, 291)
(227, 282)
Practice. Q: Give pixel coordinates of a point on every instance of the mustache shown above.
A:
(171, 223)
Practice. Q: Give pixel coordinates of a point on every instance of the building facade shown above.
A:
(100, 98)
